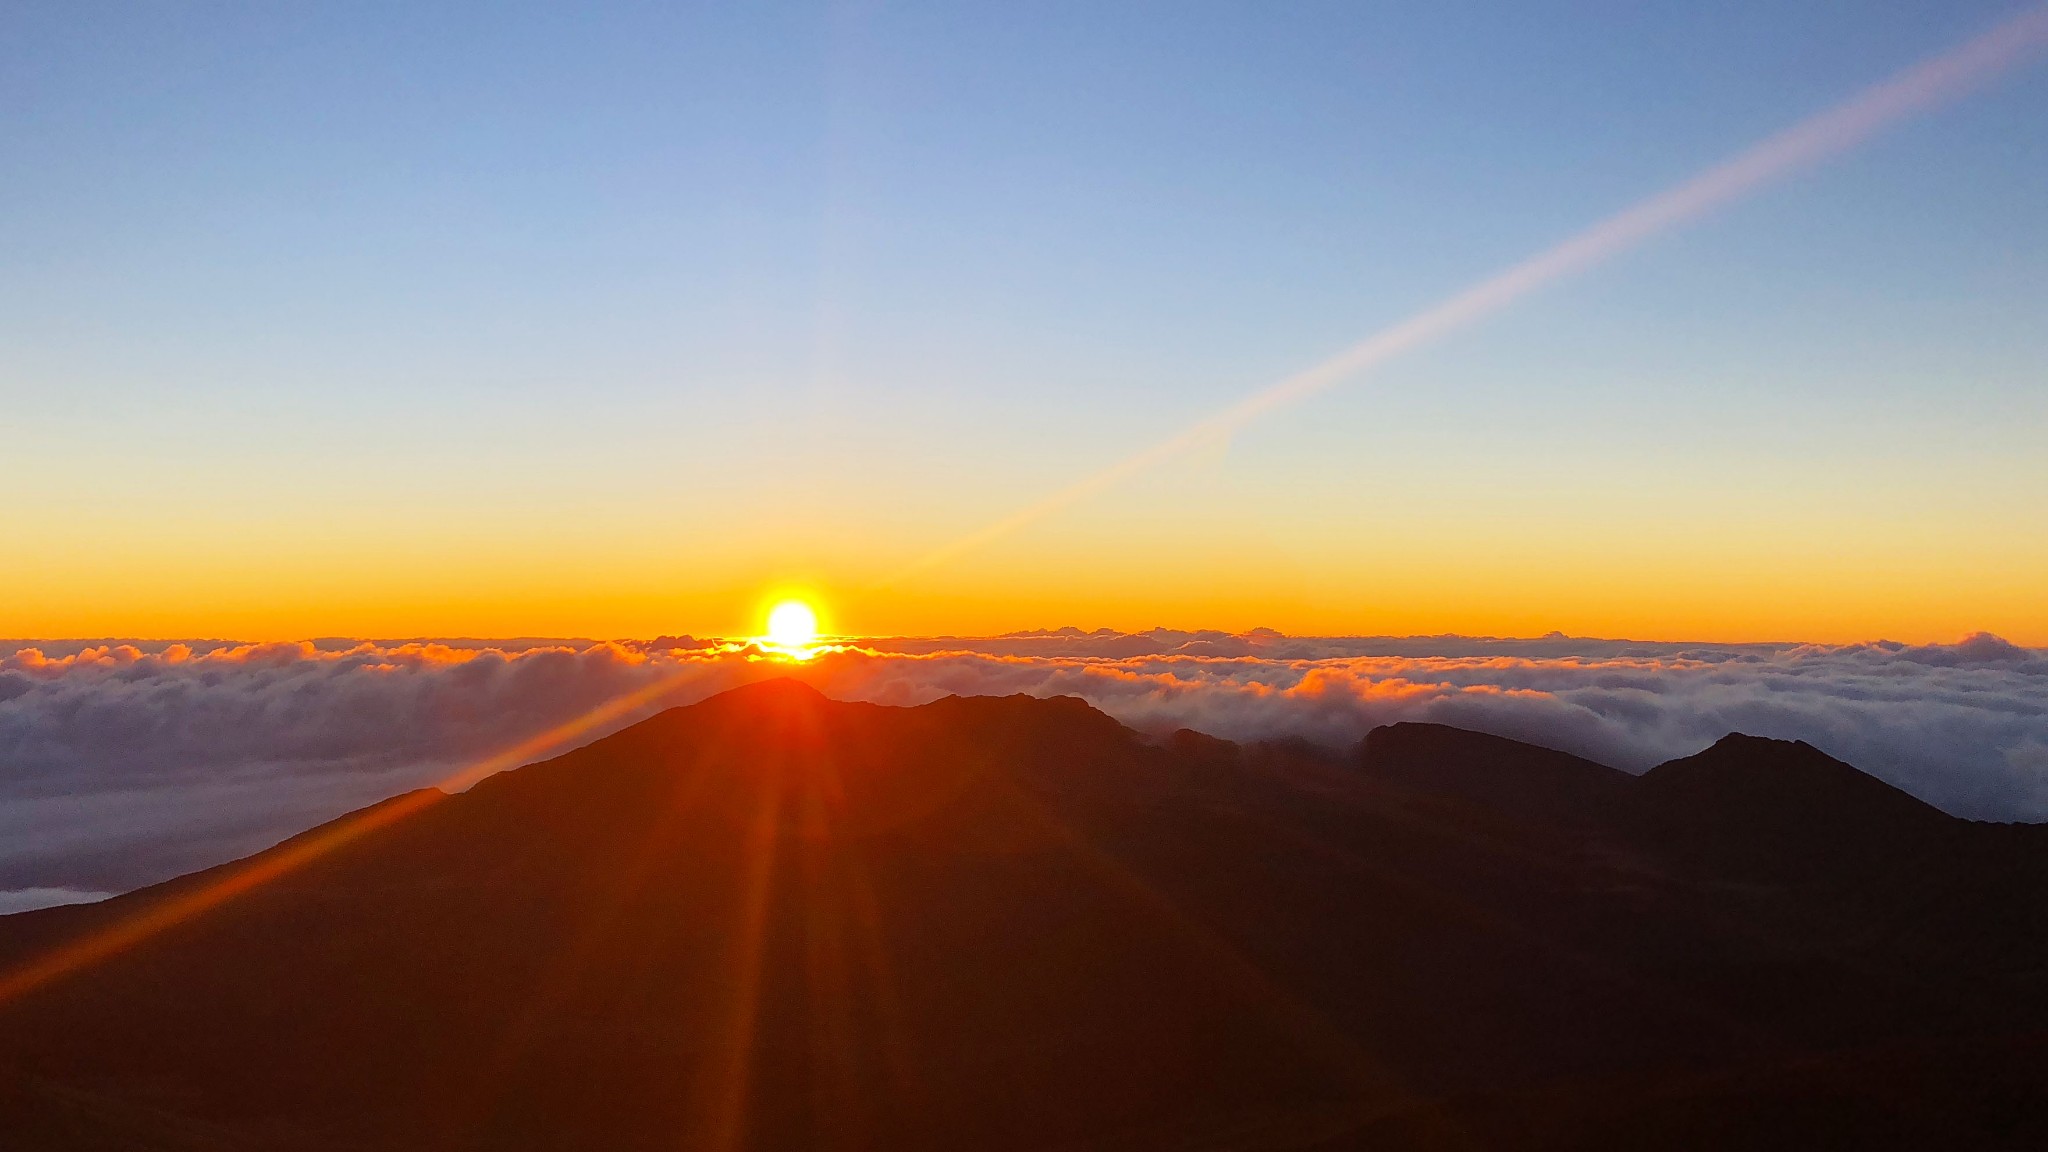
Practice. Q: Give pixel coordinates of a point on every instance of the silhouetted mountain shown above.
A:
(775, 921)
(1514, 779)
(1763, 807)
(1789, 782)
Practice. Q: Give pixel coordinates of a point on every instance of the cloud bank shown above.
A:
(122, 764)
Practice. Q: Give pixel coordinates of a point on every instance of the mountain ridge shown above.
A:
(773, 920)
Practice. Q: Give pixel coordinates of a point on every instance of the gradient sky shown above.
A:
(439, 319)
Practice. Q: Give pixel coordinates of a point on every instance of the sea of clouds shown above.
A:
(122, 764)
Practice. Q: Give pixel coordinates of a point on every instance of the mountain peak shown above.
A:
(1744, 742)
(777, 688)
(1760, 804)
(1789, 775)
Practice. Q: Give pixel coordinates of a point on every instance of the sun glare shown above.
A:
(792, 627)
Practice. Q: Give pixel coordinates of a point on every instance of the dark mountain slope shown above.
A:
(1518, 780)
(1757, 806)
(776, 921)
(1787, 781)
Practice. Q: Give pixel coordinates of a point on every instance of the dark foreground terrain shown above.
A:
(772, 921)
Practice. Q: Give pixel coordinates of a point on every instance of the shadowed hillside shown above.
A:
(775, 921)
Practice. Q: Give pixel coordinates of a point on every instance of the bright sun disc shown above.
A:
(792, 624)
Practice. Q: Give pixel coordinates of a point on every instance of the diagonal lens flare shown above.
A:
(127, 931)
(1924, 85)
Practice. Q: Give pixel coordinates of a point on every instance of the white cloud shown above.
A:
(123, 764)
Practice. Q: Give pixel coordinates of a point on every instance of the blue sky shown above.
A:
(516, 279)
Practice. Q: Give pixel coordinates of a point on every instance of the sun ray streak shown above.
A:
(1920, 87)
(732, 1069)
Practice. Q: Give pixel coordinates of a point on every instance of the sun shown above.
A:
(792, 627)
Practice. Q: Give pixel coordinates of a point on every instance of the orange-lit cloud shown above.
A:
(1963, 724)
(130, 764)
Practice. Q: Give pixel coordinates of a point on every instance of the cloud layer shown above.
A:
(122, 764)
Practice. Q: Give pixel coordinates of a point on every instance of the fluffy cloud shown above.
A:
(121, 764)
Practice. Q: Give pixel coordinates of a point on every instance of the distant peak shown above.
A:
(1024, 702)
(775, 689)
(1744, 742)
(1789, 778)
(1409, 736)
(1526, 780)
(1739, 750)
